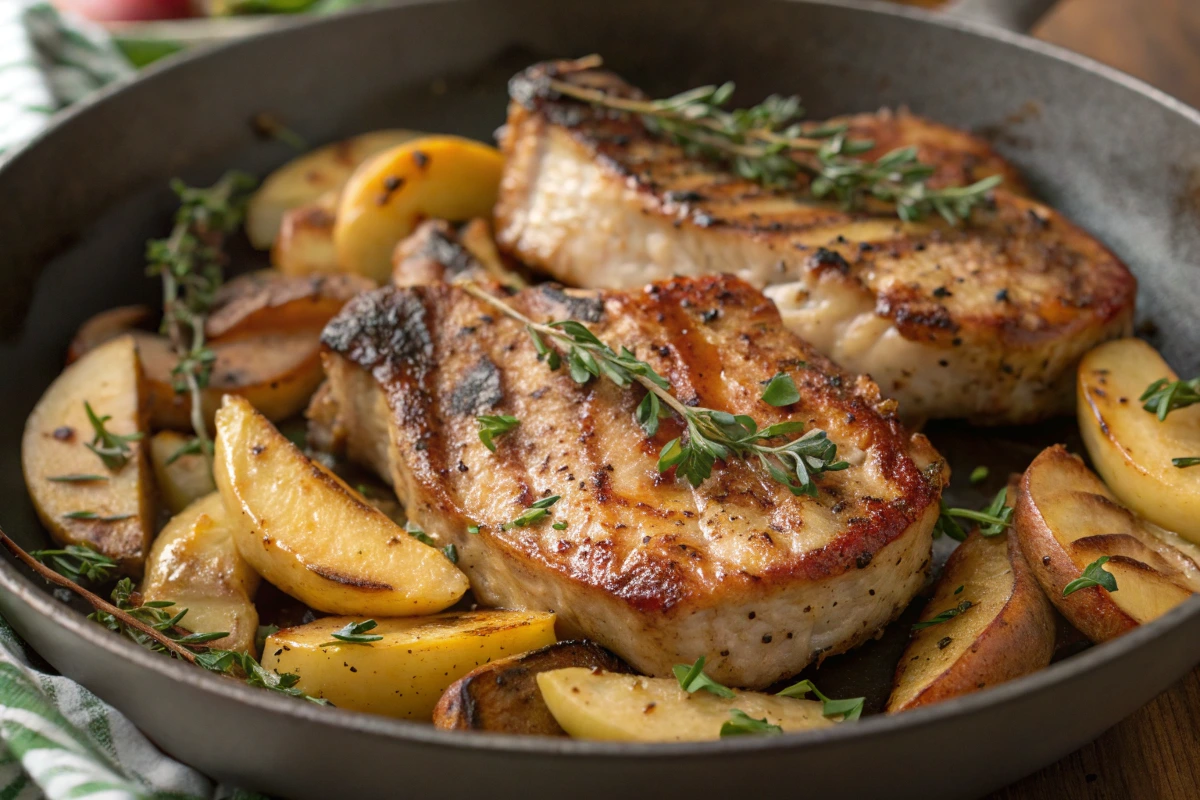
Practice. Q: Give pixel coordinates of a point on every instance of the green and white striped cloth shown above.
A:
(60, 741)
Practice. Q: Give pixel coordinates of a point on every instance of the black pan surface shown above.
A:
(1118, 157)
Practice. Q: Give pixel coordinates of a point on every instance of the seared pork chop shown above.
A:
(739, 570)
(985, 321)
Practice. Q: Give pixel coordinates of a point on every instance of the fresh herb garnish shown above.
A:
(78, 563)
(709, 434)
(959, 589)
(227, 662)
(993, 520)
(979, 474)
(766, 144)
(421, 536)
(153, 614)
(1094, 574)
(559, 526)
(472, 528)
(781, 391)
(692, 679)
(1187, 461)
(112, 448)
(77, 478)
(537, 511)
(260, 636)
(1164, 396)
(945, 616)
(451, 553)
(95, 516)
(190, 262)
(850, 708)
(742, 724)
(493, 425)
(354, 633)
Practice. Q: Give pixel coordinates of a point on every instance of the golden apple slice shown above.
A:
(104, 327)
(182, 478)
(303, 179)
(304, 245)
(593, 704)
(193, 562)
(1006, 631)
(1130, 447)
(434, 177)
(314, 537)
(404, 673)
(1067, 519)
(79, 498)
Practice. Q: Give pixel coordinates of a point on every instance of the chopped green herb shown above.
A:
(77, 563)
(559, 526)
(77, 478)
(1094, 574)
(1188, 461)
(539, 510)
(979, 474)
(742, 724)
(492, 426)
(1163, 396)
(472, 528)
(421, 536)
(781, 391)
(959, 590)
(451, 553)
(945, 616)
(112, 448)
(95, 516)
(354, 633)
(850, 708)
(994, 519)
(692, 679)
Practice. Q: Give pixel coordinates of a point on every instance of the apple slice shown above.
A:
(305, 178)
(1130, 447)
(988, 622)
(79, 498)
(314, 537)
(593, 704)
(434, 177)
(194, 564)
(1067, 519)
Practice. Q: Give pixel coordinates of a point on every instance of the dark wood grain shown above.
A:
(1155, 753)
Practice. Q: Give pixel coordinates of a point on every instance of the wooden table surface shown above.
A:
(1154, 754)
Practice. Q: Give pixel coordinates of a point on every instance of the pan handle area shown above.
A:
(1013, 15)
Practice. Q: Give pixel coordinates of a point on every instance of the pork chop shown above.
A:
(985, 321)
(739, 570)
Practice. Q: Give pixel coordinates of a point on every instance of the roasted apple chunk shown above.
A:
(404, 671)
(503, 696)
(194, 564)
(434, 177)
(305, 178)
(1130, 447)
(593, 704)
(307, 532)
(106, 502)
(987, 622)
(1067, 520)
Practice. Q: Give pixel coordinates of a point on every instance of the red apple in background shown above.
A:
(127, 10)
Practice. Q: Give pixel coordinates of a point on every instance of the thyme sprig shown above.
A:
(1164, 396)
(1094, 574)
(190, 262)
(157, 630)
(944, 616)
(112, 448)
(354, 633)
(766, 143)
(993, 520)
(78, 563)
(709, 434)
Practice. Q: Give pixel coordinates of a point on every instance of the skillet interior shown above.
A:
(1112, 155)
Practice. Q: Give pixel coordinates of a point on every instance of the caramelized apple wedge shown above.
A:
(194, 564)
(304, 245)
(988, 622)
(434, 177)
(1067, 519)
(1130, 447)
(305, 178)
(404, 671)
(81, 498)
(593, 704)
(307, 532)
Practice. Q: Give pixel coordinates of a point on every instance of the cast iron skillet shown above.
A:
(1117, 156)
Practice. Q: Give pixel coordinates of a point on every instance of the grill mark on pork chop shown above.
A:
(649, 543)
(478, 390)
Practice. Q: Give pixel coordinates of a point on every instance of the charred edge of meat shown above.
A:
(478, 390)
(386, 327)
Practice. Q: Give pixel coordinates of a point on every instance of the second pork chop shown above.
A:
(740, 570)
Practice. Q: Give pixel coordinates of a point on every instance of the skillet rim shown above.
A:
(25, 590)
